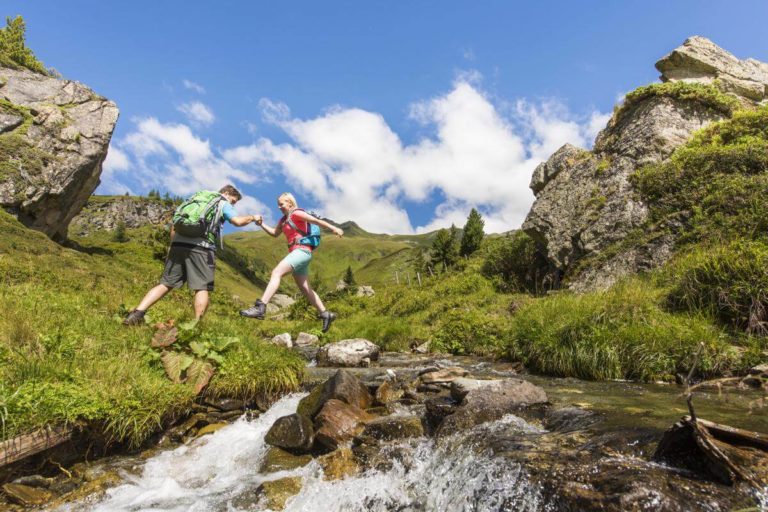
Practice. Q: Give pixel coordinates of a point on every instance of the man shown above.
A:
(191, 260)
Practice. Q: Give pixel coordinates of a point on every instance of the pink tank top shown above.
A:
(294, 236)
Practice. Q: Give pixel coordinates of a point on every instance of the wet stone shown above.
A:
(339, 464)
(338, 422)
(342, 386)
(210, 429)
(394, 427)
(27, 496)
(277, 459)
(277, 492)
(388, 392)
(443, 375)
(568, 419)
(293, 432)
(225, 404)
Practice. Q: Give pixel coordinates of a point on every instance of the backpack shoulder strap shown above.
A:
(290, 222)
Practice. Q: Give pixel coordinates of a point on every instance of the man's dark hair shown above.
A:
(231, 191)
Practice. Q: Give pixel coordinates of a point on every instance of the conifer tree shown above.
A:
(119, 234)
(420, 262)
(349, 278)
(473, 233)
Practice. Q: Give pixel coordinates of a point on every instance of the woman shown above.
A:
(295, 225)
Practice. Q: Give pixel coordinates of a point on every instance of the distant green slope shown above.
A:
(374, 258)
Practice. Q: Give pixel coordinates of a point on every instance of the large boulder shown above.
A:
(585, 202)
(338, 422)
(55, 136)
(348, 353)
(701, 60)
(343, 386)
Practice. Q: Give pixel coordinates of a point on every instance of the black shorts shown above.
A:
(192, 265)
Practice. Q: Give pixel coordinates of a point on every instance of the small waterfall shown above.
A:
(202, 475)
(215, 472)
(431, 477)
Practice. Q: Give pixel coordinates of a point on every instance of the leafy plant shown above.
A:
(193, 354)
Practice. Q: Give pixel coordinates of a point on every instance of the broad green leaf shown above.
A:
(199, 374)
(186, 361)
(172, 362)
(198, 348)
(221, 344)
(188, 326)
(215, 356)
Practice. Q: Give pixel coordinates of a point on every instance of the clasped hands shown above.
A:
(257, 219)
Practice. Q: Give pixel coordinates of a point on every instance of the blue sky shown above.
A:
(398, 115)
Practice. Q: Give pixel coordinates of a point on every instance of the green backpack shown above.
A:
(200, 215)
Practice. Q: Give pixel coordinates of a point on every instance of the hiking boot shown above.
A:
(135, 317)
(258, 311)
(327, 317)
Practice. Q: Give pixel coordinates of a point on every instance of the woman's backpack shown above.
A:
(311, 238)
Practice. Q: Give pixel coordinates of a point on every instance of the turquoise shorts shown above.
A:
(299, 260)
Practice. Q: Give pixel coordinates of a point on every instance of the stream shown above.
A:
(602, 433)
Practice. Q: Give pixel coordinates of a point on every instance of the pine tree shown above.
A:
(119, 234)
(445, 249)
(420, 263)
(349, 278)
(473, 233)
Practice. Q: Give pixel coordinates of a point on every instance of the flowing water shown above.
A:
(513, 464)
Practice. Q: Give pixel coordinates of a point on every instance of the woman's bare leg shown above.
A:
(278, 272)
(303, 283)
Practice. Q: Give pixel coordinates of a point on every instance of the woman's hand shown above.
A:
(258, 219)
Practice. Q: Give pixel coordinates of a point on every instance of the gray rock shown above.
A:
(293, 433)
(68, 121)
(484, 401)
(9, 122)
(701, 60)
(348, 353)
(282, 300)
(283, 340)
(304, 339)
(365, 291)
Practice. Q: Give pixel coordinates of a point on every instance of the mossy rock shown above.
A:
(339, 464)
(277, 492)
(277, 459)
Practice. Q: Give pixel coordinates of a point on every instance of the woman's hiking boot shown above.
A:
(135, 317)
(327, 317)
(258, 311)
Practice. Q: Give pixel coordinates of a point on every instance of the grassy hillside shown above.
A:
(65, 358)
(374, 258)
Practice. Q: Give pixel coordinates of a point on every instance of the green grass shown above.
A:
(65, 359)
(621, 333)
(708, 95)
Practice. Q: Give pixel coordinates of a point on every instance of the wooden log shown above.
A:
(728, 454)
(25, 445)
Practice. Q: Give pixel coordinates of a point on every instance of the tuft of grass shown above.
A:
(727, 282)
(621, 333)
(708, 95)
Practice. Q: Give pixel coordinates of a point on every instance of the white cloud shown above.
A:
(189, 84)
(171, 157)
(197, 113)
(355, 167)
(117, 162)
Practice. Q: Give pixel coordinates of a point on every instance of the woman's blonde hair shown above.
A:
(289, 197)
